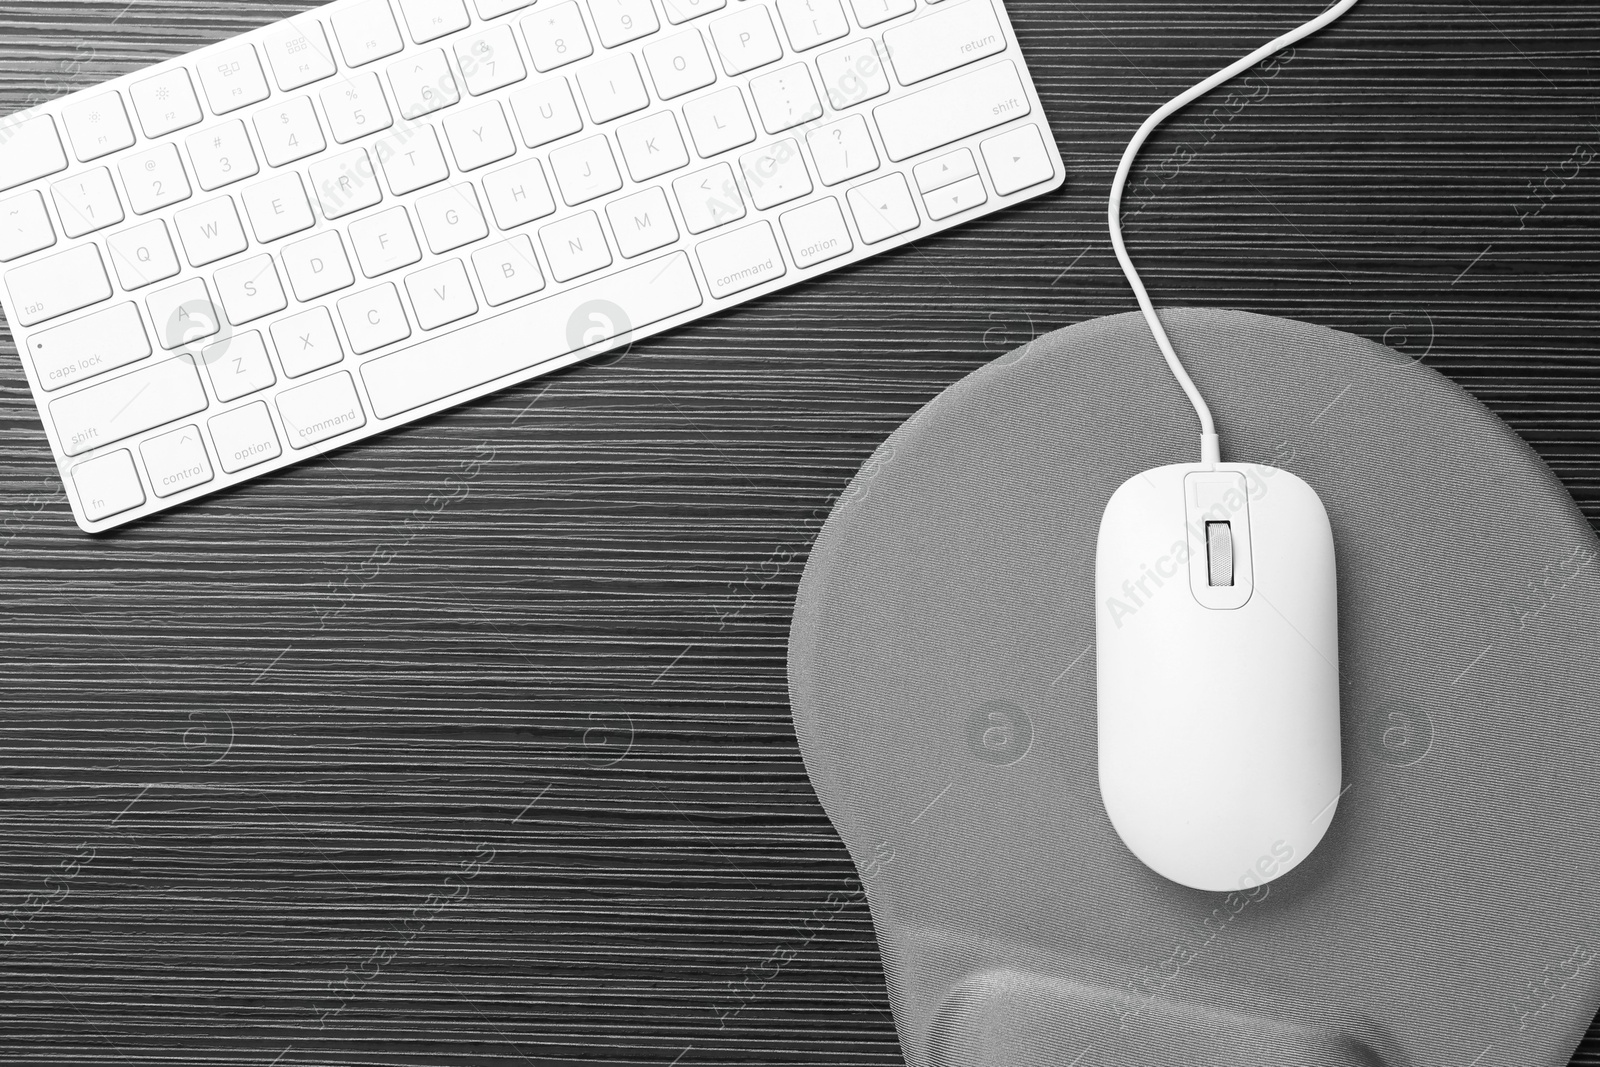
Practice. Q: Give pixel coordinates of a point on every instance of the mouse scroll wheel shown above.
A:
(1219, 553)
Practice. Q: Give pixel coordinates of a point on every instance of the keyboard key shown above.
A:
(30, 148)
(176, 461)
(546, 111)
(58, 284)
(719, 121)
(108, 485)
(852, 73)
(1017, 159)
(816, 232)
(556, 37)
(166, 103)
(479, 136)
(244, 437)
(585, 169)
(238, 366)
(78, 350)
(154, 179)
(949, 200)
(374, 318)
(679, 64)
(210, 231)
(883, 209)
(488, 9)
(775, 174)
(810, 23)
(785, 98)
(182, 313)
(709, 198)
(518, 194)
(940, 171)
(683, 10)
(612, 88)
(948, 37)
(143, 254)
(490, 60)
(289, 131)
(222, 155)
(423, 84)
(317, 266)
(441, 294)
(385, 242)
(508, 271)
(652, 146)
(872, 12)
(24, 226)
(356, 107)
(366, 32)
(98, 126)
(306, 342)
(299, 55)
(451, 218)
(278, 207)
(842, 150)
(428, 20)
(87, 202)
(529, 335)
(250, 289)
(967, 104)
(746, 40)
(575, 246)
(345, 183)
(412, 160)
(233, 79)
(642, 222)
(741, 259)
(319, 410)
(621, 21)
(138, 401)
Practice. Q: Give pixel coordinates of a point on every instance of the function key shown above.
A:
(429, 20)
(98, 126)
(488, 9)
(366, 32)
(233, 79)
(29, 149)
(299, 55)
(108, 485)
(166, 102)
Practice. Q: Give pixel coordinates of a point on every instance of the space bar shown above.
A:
(535, 333)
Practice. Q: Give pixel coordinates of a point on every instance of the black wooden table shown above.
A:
(471, 744)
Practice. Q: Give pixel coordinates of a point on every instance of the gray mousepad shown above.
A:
(942, 676)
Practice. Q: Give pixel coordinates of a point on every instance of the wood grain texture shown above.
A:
(471, 745)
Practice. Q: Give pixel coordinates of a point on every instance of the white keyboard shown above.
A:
(359, 216)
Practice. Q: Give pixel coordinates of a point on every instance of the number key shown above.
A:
(222, 155)
(621, 21)
(289, 131)
(423, 84)
(154, 179)
(356, 107)
(490, 60)
(556, 37)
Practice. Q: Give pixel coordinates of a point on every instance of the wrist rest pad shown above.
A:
(942, 675)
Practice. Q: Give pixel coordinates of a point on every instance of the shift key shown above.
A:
(122, 407)
(970, 103)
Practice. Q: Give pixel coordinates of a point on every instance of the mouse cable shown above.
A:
(1210, 447)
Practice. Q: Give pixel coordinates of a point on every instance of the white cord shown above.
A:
(1210, 448)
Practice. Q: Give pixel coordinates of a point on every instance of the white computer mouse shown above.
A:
(1218, 671)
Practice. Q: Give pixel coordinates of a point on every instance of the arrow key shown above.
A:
(964, 195)
(176, 461)
(944, 170)
(883, 208)
(1017, 159)
(24, 226)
